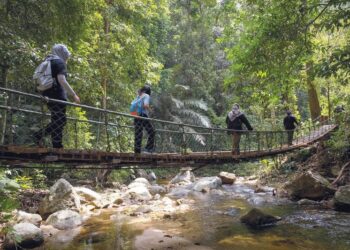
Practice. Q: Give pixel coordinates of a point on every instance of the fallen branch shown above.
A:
(341, 173)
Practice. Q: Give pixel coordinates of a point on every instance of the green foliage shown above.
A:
(8, 193)
(121, 176)
(340, 141)
(25, 182)
(79, 130)
(199, 56)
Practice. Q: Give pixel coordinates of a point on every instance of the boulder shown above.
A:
(227, 178)
(184, 177)
(87, 194)
(151, 177)
(342, 199)
(139, 193)
(179, 192)
(156, 189)
(61, 196)
(143, 174)
(257, 219)
(206, 183)
(307, 202)
(142, 180)
(64, 219)
(309, 185)
(139, 182)
(24, 235)
(34, 219)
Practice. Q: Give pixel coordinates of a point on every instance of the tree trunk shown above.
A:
(314, 104)
(3, 83)
(3, 76)
(102, 175)
(329, 99)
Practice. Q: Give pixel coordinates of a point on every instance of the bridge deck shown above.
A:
(22, 154)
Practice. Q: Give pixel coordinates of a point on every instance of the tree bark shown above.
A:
(314, 104)
(329, 99)
(3, 83)
(341, 174)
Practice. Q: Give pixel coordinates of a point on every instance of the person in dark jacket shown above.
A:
(234, 120)
(60, 91)
(290, 123)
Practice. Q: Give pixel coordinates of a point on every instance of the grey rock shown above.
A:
(342, 198)
(309, 185)
(61, 196)
(257, 219)
(24, 235)
(64, 219)
(227, 178)
(207, 183)
(34, 219)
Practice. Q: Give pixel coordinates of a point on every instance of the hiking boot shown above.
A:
(148, 151)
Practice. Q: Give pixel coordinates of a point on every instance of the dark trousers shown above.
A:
(139, 126)
(56, 126)
(290, 136)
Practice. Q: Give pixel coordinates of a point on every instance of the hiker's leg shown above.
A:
(138, 135)
(236, 139)
(290, 137)
(58, 120)
(38, 136)
(151, 133)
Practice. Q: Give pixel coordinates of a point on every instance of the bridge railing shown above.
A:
(91, 128)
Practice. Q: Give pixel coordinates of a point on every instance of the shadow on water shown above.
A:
(213, 223)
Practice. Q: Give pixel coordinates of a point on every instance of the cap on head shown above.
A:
(289, 112)
(146, 89)
(62, 51)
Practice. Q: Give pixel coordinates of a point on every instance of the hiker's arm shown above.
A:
(296, 121)
(63, 81)
(246, 122)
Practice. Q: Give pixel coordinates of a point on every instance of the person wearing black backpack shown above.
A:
(140, 124)
(289, 123)
(234, 120)
(59, 90)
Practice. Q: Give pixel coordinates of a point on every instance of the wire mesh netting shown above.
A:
(32, 120)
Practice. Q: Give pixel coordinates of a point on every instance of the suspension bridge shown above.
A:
(105, 138)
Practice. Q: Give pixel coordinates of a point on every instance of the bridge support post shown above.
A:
(211, 141)
(76, 134)
(108, 149)
(183, 148)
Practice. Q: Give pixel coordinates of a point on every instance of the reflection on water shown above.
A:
(213, 223)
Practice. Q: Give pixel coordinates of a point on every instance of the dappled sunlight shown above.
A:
(266, 242)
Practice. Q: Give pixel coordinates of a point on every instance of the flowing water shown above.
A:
(213, 223)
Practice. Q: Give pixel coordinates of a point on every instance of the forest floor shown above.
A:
(317, 158)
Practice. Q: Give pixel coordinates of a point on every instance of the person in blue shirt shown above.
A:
(140, 124)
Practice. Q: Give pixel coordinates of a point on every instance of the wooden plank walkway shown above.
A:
(21, 154)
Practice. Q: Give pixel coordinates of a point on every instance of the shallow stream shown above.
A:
(213, 223)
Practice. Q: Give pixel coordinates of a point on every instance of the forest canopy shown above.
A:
(200, 56)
